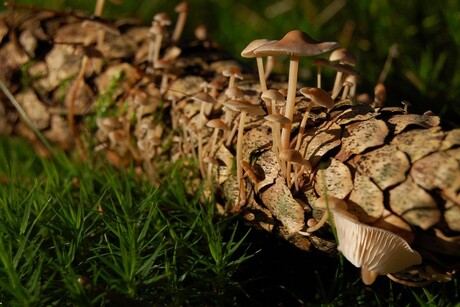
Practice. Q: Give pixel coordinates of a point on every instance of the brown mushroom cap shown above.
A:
(343, 55)
(271, 95)
(278, 118)
(233, 71)
(248, 52)
(319, 96)
(296, 43)
(291, 155)
(162, 18)
(217, 123)
(204, 97)
(243, 105)
(344, 68)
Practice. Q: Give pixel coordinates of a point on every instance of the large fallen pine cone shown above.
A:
(93, 85)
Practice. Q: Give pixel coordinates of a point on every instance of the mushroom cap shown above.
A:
(204, 97)
(233, 71)
(244, 105)
(319, 96)
(278, 118)
(181, 7)
(248, 52)
(234, 92)
(217, 123)
(345, 68)
(272, 95)
(291, 155)
(162, 18)
(296, 43)
(343, 56)
(372, 248)
(321, 62)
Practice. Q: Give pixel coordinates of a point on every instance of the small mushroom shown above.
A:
(233, 72)
(343, 56)
(271, 98)
(248, 52)
(182, 9)
(376, 251)
(380, 95)
(318, 97)
(319, 62)
(295, 44)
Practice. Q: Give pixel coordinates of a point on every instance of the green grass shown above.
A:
(88, 235)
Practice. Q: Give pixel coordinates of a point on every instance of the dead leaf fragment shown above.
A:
(334, 180)
(366, 200)
(414, 204)
(278, 199)
(361, 136)
(419, 143)
(401, 122)
(387, 166)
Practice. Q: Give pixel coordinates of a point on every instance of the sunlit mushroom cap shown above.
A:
(217, 123)
(234, 92)
(204, 97)
(248, 52)
(181, 7)
(278, 118)
(296, 43)
(233, 71)
(343, 56)
(162, 18)
(375, 249)
(291, 155)
(243, 105)
(269, 95)
(319, 96)
(345, 68)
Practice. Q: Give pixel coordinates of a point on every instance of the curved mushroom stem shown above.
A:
(303, 124)
(320, 224)
(337, 85)
(260, 68)
(269, 64)
(410, 283)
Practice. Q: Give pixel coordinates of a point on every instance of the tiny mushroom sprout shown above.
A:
(376, 251)
(272, 99)
(341, 69)
(295, 44)
(244, 107)
(248, 52)
(343, 56)
(233, 72)
(292, 156)
(182, 9)
(319, 62)
(318, 97)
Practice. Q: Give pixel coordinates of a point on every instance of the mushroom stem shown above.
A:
(99, 8)
(290, 99)
(368, 276)
(260, 68)
(337, 84)
(303, 124)
(239, 157)
(182, 8)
